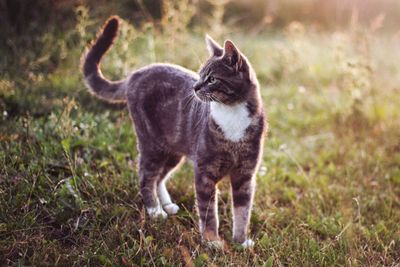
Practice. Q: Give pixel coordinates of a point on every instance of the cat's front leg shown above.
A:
(243, 187)
(206, 194)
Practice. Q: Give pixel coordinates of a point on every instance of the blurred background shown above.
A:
(329, 184)
(42, 35)
(22, 16)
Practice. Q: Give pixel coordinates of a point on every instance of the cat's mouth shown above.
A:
(207, 97)
(204, 97)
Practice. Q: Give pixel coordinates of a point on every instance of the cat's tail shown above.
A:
(110, 91)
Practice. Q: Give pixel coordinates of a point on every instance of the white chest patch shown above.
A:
(233, 120)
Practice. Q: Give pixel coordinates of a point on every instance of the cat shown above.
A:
(214, 118)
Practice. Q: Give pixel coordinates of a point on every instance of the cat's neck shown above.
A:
(233, 120)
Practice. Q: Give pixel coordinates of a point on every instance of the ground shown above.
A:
(328, 189)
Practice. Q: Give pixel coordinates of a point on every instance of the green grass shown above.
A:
(329, 184)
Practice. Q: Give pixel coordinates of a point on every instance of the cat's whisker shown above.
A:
(216, 99)
(190, 94)
(188, 99)
(203, 113)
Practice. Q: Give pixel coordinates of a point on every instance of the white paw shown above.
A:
(157, 212)
(215, 244)
(248, 243)
(171, 208)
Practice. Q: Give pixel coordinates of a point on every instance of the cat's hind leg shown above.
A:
(170, 165)
(151, 169)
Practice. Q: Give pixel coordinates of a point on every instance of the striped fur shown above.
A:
(214, 118)
(109, 91)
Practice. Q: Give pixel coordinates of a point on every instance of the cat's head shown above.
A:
(227, 76)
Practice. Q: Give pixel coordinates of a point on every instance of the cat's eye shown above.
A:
(211, 80)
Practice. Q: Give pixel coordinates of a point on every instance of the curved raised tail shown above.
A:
(110, 91)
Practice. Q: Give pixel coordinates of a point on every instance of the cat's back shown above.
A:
(162, 79)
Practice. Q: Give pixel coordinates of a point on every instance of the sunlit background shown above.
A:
(329, 184)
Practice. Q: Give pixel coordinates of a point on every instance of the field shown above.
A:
(328, 189)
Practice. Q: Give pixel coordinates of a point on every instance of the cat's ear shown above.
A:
(213, 47)
(232, 55)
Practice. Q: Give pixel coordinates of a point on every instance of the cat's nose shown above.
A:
(197, 86)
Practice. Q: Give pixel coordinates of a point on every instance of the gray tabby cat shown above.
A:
(214, 118)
